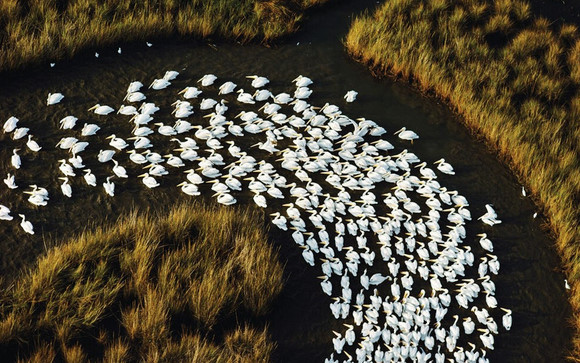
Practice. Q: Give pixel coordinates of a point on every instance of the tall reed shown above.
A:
(514, 78)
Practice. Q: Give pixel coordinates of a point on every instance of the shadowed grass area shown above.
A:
(514, 78)
(186, 286)
(32, 31)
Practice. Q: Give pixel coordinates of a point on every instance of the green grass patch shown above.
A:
(189, 285)
(514, 78)
(35, 31)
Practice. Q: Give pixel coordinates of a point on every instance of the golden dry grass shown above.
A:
(35, 31)
(514, 78)
(185, 286)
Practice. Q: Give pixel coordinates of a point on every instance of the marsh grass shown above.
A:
(516, 81)
(189, 285)
(33, 31)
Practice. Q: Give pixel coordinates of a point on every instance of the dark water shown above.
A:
(530, 282)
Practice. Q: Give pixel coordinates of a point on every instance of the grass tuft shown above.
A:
(188, 285)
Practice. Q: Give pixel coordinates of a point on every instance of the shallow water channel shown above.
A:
(530, 281)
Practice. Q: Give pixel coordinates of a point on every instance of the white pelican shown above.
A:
(54, 98)
(26, 225)
(32, 145)
(90, 178)
(350, 96)
(258, 81)
(134, 97)
(109, 187)
(101, 110)
(5, 213)
(68, 122)
(302, 81)
(65, 187)
(405, 134)
(226, 88)
(10, 124)
(9, 181)
(159, 84)
(127, 110)
(190, 92)
(134, 86)
(170, 75)
(89, 129)
(117, 142)
(207, 80)
(15, 159)
(149, 181)
(119, 170)
(20, 132)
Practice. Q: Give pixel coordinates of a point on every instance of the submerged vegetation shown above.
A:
(514, 78)
(187, 286)
(43, 30)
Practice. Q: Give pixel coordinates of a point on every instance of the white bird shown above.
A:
(207, 80)
(350, 96)
(159, 84)
(105, 155)
(101, 110)
(20, 132)
(15, 159)
(10, 124)
(54, 98)
(149, 181)
(190, 92)
(134, 86)
(5, 213)
(9, 181)
(109, 187)
(405, 134)
(444, 167)
(65, 187)
(90, 178)
(134, 97)
(226, 88)
(32, 145)
(26, 225)
(302, 81)
(117, 142)
(89, 129)
(127, 110)
(68, 122)
(258, 81)
(119, 170)
(170, 75)
(189, 188)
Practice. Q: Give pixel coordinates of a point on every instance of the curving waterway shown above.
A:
(530, 282)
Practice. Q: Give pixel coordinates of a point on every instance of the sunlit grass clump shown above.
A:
(515, 79)
(186, 286)
(42, 30)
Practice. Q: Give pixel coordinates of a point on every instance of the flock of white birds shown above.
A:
(388, 237)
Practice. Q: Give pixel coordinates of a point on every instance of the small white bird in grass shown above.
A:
(524, 191)
(9, 181)
(54, 98)
(10, 124)
(149, 44)
(109, 187)
(207, 80)
(119, 50)
(101, 110)
(405, 134)
(65, 187)
(15, 159)
(90, 178)
(350, 96)
(26, 225)
(32, 145)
